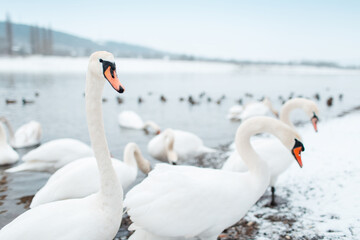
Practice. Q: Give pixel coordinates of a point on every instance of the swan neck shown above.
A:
(151, 124)
(110, 186)
(286, 111)
(9, 127)
(246, 151)
(134, 158)
(2, 135)
(169, 139)
(261, 125)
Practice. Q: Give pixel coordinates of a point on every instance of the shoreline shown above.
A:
(54, 64)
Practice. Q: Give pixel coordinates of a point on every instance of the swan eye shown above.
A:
(299, 144)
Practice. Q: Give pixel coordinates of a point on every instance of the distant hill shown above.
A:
(64, 44)
(71, 45)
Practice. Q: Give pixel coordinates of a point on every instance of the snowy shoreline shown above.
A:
(40, 64)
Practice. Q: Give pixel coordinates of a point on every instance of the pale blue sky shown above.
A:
(256, 30)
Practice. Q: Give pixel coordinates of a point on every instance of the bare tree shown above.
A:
(44, 42)
(50, 41)
(9, 35)
(32, 40)
(36, 40)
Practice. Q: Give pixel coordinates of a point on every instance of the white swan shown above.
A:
(185, 202)
(99, 215)
(129, 119)
(171, 145)
(27, 135)
(81, 177)
(53, 155)
(263, 108)
(7, 153)
(278, 158)
(234, 111)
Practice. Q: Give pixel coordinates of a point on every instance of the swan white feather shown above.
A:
(53, 155)
(130, 119)
(253, 109)
(184, 145)
(7, 154)
(27, 135)
(80, 178)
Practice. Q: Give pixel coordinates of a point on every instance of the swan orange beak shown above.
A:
(314, 121)
(158, 132)
(296, 151)
(111, 76)
(297, 154)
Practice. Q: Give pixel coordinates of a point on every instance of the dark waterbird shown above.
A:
(25, 101)
(10, 101)
(163, 98)
(317, 96)
(119, 100)
(191, 100)
(329, 102)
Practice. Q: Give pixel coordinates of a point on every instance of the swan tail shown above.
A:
(204, 149)
(141, 234)
(19, 168)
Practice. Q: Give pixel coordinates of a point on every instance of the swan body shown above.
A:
(130, 119)
(263, 108)
(80, 178)
(277, 157)
(172, 142)
(99, 215)
(27, 135)
(186, 202)
(53, 155)
(7, 153)
(234, 111)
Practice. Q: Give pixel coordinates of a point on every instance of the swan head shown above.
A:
(169, 140)
(296, 151)
(311, 109)
(102, 66)
(153, 125)
(268, 103)
(133, 157)
(2, 134)
(313, 112)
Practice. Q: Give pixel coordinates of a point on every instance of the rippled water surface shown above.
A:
(60, 109)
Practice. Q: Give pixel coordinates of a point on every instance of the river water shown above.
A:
(59, 107)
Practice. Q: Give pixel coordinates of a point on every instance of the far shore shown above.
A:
(51, 64)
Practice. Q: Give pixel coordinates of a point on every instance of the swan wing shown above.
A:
(28, 135)
(69, 219)
(8, 155)
(130, 119)
(179, 201)
(58, 150)
(234, 163)
(79, 179)
(254, 109)
(188, 144)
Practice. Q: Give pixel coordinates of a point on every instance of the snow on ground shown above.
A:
(35, 64)
(319, 201)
